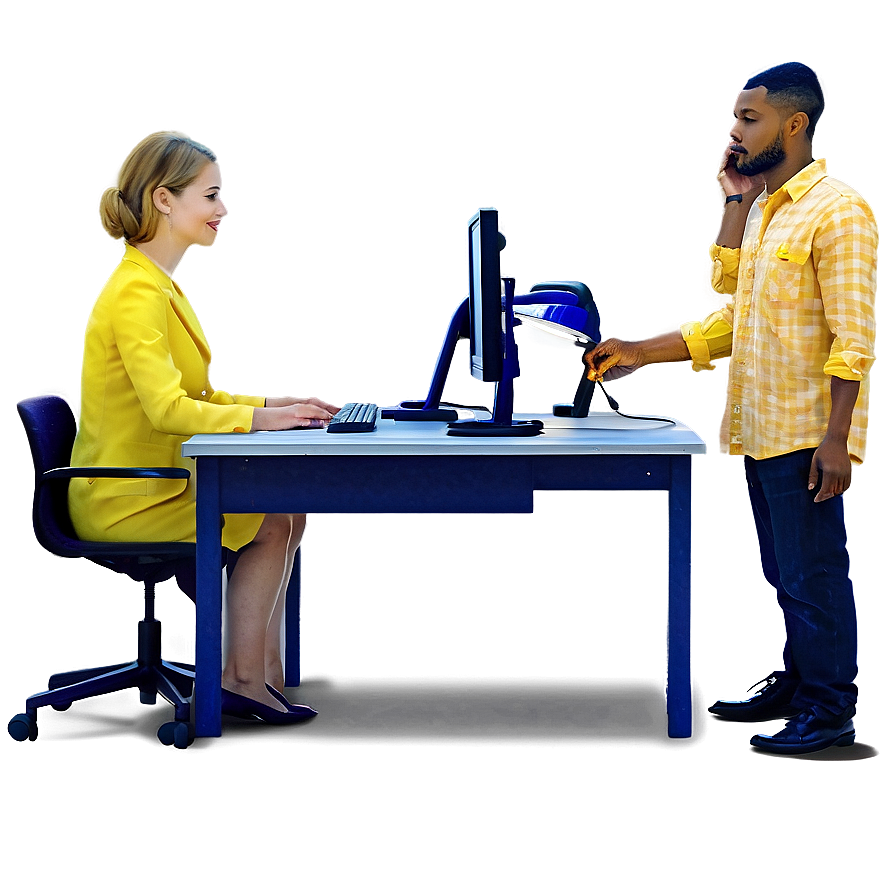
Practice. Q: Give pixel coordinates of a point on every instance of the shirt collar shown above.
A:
(802, 182)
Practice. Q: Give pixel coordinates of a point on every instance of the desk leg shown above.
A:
(291, 661)
(678, 693)
(207, 693)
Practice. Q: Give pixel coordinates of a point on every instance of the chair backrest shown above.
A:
(50, 427)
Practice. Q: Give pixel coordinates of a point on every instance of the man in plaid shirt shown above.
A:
(797, 253)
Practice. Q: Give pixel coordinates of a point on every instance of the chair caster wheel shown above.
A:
(178, 734)
(22, 727)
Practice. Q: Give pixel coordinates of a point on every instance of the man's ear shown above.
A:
(797, 124)
(161, 199)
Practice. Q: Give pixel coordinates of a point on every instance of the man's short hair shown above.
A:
(792, 87)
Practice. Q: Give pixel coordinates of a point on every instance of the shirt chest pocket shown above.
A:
(787, 271)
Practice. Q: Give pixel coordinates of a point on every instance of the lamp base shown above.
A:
(569, 410)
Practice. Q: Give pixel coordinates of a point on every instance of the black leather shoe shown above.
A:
(771, 701)
(294, 708)
(241, 707)
(812, 730)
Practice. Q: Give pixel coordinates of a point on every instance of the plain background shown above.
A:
(491, 688)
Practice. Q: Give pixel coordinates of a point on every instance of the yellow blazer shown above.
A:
(144, 391)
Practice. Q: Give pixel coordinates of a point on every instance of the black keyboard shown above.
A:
(357, 416)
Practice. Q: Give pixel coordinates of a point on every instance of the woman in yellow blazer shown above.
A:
(145, 390)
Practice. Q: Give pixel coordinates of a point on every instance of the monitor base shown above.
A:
(417, 410)
(491, 428)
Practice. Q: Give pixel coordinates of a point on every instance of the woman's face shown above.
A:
(195, 214)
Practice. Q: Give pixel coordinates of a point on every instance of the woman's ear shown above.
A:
(161, 199)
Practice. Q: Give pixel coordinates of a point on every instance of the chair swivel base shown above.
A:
(149, 673)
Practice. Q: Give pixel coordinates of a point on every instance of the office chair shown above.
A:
(50, 426)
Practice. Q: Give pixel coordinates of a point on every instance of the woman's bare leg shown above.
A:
(252, 593)
(273, 657)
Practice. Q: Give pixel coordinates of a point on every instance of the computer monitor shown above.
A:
(486, 318)
(493, 352)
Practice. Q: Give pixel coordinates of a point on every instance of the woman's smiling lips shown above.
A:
(214, 225)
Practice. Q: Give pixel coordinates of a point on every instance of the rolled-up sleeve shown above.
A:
(710, 339)
(725, 263)
(845, 256)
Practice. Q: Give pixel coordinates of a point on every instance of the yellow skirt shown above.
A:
(171, 520)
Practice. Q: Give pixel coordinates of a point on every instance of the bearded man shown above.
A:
(797, 254)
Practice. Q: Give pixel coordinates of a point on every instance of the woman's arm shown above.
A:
(289, 413)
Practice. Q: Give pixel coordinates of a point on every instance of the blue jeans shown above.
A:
(803, 550)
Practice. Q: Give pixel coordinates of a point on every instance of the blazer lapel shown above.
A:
(178, 301)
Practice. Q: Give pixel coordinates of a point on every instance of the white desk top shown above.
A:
(599, 433)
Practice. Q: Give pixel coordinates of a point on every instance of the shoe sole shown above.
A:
(787, 713)
(844, 740)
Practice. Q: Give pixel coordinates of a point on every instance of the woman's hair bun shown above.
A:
(118, 220)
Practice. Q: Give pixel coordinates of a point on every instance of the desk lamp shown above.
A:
(567, 310)
(564, 307)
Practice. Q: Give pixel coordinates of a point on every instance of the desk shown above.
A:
(415, 467)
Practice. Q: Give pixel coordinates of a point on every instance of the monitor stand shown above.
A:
(502, 422)
(430, 408)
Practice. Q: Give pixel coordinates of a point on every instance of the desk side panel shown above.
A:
(345, 484)
(577, 472)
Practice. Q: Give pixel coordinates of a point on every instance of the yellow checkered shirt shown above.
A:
(803, 286)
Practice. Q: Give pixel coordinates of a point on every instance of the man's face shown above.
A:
(758, 129)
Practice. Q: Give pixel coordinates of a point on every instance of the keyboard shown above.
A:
(356, 416)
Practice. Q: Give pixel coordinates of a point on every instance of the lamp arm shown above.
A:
(581, 292)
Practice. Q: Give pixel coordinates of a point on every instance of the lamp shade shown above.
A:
(566, 309)
(562, 320)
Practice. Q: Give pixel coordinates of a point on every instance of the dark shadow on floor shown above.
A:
(426, 710)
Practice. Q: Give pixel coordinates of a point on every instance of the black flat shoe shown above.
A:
(292, 707)
(771, 701)
(812, 730)
(240, 707)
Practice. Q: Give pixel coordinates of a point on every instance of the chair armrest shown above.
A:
(117, 473)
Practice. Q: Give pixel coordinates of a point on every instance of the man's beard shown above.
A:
(768, 158)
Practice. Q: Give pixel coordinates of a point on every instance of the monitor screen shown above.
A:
(486, 319)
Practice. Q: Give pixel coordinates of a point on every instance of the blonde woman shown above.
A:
(145, 390)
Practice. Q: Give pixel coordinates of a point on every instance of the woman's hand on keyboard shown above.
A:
(290, 416)
(287, 401)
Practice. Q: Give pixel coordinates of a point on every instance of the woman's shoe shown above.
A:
(241, 707)
(300, 708)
